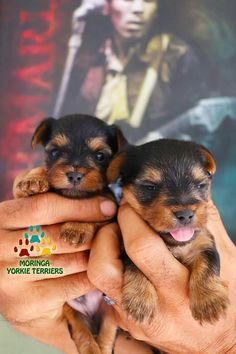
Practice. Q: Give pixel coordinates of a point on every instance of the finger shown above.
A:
(44, 295)
(105, 269)
(216, 227)
(50, 208)
(55, 266)
(46, 237)
(150, 254)
(67, 288)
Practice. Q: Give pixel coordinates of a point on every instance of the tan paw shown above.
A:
(78, 233)
(139, 297)
(31, 185)
(210, 302)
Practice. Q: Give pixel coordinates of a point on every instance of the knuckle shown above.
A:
(10, 208)
(80, 260)
(87, 209)
(154, 330)
(136, 247)
(41, 206)
(105, 277)
(78, 286)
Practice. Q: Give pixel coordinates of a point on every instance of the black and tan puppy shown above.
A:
(167, 182)
(78, 150)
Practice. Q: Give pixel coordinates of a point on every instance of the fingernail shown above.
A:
(108, 208)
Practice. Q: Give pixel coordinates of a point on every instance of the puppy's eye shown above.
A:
(202, 185)
(100, 156)
(149, 186)
(54, 153)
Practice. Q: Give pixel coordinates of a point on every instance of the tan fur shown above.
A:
(37, 138)
(93, 181)
(151, 175)
(198, 173)
(60, 140)
(34, 182)
(107, 333)
(57, 175)
(207, 292)
(139, 297)
(211, 165)
(113, 170)
(80, 333)
(77, 233)
(97, 144)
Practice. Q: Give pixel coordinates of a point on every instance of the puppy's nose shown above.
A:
(74, 177)
(184, 216)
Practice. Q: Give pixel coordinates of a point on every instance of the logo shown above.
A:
(34, 241)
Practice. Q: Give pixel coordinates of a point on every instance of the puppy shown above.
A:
(78, 150)
(167, 182)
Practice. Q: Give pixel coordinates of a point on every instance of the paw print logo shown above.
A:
(35, 236)
(45, 247)
(23, 248)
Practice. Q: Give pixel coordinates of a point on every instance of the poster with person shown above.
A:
(156, 68)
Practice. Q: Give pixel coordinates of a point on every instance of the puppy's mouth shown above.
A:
(184, 234)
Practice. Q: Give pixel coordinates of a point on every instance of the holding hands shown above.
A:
(173, 329)
(33, 303)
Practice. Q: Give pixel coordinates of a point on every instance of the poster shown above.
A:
(177, 79)
(193, 98)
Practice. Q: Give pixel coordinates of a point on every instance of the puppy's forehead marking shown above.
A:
(151, 174)
(60, 140)
(98, 143)
(198, 172)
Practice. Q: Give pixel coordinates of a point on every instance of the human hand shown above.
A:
(33, 303)
(173, 329)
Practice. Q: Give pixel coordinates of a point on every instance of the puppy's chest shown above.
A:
(181, 252)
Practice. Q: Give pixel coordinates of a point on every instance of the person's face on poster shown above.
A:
(132, 19)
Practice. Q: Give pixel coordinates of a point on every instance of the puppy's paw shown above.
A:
(31, 185)
(210, 301)
(139, 297)
(76, 233)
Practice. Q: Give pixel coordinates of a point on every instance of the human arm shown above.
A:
(173, 329)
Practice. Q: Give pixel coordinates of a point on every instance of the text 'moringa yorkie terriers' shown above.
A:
(168, 183)
(78, 150)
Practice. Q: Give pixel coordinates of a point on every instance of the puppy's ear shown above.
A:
(43, 132)
(208, 161)
(119, 147)
(115, 167)
(119, 142)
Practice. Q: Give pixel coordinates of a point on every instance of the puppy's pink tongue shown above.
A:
(183, 234)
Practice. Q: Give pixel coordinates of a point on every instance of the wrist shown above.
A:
(53, 333)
